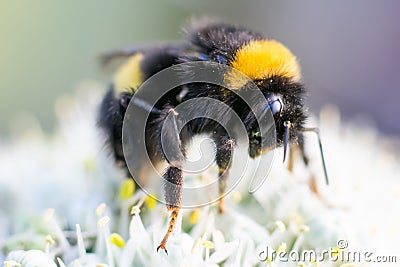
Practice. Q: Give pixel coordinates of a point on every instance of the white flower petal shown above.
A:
(224, 252)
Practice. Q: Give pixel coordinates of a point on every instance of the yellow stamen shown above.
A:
(194, 216)
(100, 209)
(50, 240)
(117, 240)
(304, 228)
(150, 202)
(103, 221)
(11, 264)
(208, 244)
(127, 189)
(280, 225)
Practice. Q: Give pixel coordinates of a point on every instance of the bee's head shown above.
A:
(276, 72)
(284, 101)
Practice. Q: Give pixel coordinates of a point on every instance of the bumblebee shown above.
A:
(268, 63)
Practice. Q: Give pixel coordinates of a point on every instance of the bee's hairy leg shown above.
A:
(223, 158)
(173, 196)
(173, 177)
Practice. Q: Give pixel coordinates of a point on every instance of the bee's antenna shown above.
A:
(286, 135)
(316, 130)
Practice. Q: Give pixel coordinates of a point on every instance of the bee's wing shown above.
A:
(119, 54)
(116, 57)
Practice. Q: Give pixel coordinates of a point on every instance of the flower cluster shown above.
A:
(64, 203)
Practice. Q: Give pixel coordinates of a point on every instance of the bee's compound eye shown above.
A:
(276, 107)
(275, 104)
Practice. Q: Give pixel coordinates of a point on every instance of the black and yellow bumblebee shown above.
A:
(268, 63)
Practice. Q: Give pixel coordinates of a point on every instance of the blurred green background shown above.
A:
(348, 49)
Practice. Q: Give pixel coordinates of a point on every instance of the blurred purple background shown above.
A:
(349, 52)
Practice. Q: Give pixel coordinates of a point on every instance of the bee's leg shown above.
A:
(111, 117)
(312, 183)
(173, 195)
(295, 149)
(292, 151)
(173, 177)
(301, 148)
(223, 159)
(112, 112)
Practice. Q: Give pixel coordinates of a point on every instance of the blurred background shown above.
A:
(348, 50)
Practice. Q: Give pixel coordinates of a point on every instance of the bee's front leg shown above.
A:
(173, 152)
(223, 158)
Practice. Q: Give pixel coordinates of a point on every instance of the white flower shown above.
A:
(31, 258)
